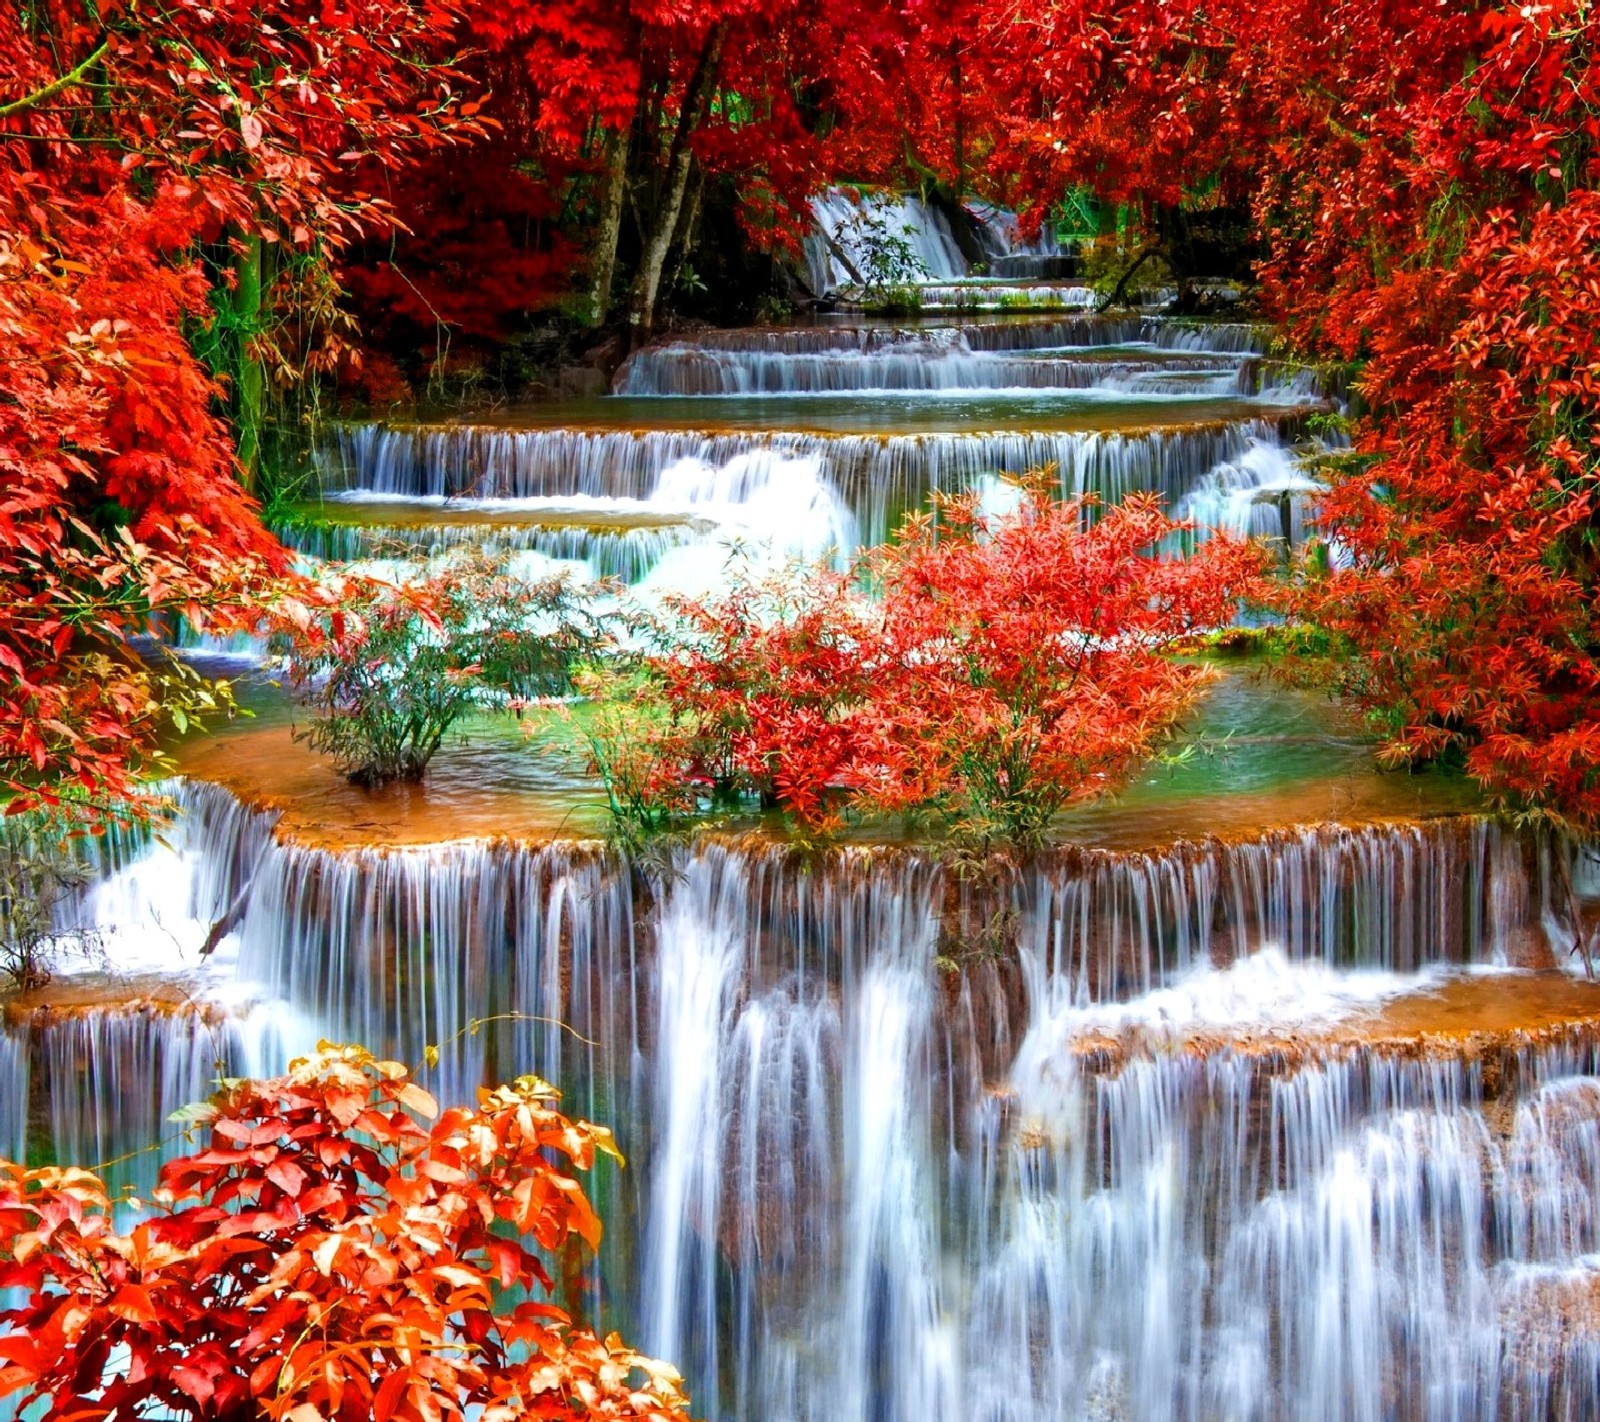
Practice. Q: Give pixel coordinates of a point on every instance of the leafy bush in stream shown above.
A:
(36, 876)
(745, 698)
(324, 1254)
(390, 667)
(639, 746)
(1010, 666)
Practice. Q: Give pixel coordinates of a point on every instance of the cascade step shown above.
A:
(877, 476)
(610, 542)
(1490, 1018)
(695, 370)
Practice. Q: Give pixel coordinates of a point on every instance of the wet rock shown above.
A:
(581, 382)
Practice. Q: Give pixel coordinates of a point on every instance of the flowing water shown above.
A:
(1271, 1095)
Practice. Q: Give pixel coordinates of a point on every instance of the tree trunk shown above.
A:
(250, 382)
(683, 237)
(680, 158)
(605, 247)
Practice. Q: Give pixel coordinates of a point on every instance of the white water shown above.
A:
(762, 507)
(863, 1186)
(854, 224)
(851, 224)
(945, 362)
(1264, 493)
(624, 553)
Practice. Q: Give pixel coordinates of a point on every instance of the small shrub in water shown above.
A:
(390, 667)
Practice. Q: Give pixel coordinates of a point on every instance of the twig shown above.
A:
(55, 86)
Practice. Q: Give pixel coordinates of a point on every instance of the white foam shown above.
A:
(1267, 989)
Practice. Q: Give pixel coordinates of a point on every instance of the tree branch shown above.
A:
(55, 86)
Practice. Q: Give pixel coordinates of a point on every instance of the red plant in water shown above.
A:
(327, 1255)
(1012, 666)
(1030, 663)
(768, 680)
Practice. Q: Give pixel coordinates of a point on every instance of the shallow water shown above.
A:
(1255, 755)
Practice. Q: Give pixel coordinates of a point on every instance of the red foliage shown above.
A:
(1423, 180)
(1031, 666)
(128, 137)
(326, 1256)
(1013, 666)
(771, 678)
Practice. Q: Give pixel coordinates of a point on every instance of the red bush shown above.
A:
(327, 1255)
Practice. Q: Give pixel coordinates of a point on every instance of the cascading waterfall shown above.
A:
(908, 1145)
(788, 505)
(624, 553)
(1194, 1236)
(878, 476)
(96, 1087)
(980, 334)
(14, 1069)
(1265, 493)
(1088, 1136)
(947, 364)
(1228, 337)
(894, 1358)
(700, 970)
(981, 295)
(846, 228)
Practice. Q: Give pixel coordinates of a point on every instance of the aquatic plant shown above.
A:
(388, 667)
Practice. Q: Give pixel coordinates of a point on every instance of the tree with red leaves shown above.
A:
(1423, 183)
(1011, 665)
(765, 684)
(132, 139)
(340, 1249)
(1032, 664)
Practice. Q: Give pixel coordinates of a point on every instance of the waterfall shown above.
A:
(857, 224)
(998, 296)
(787, 505)
(878, 476)
(683, 368)
(676, 535)
(1199, 1238)
(14, 1070)
(1232, 338)
(700, 967)
(1095, 1135)
(624, 553)
(1264, 493)
(104, 1080)
(852, 223)
(897, 1358)
(989, 334)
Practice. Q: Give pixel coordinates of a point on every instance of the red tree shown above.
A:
(129, 140)
(1031, 661)
(619, 125)
(327, 1255)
